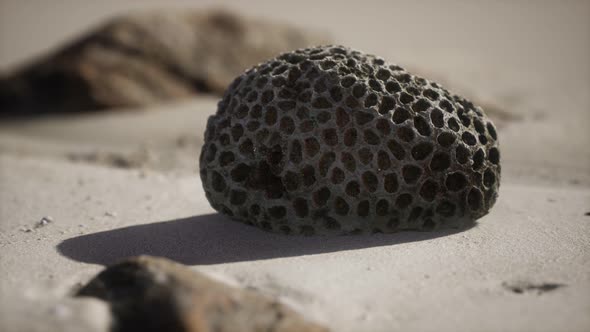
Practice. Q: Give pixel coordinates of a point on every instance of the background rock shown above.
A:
(155, 294)
(147, 57)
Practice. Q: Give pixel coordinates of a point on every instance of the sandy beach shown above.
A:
(125, 182)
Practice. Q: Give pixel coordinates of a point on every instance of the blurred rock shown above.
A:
(42, 313)
(155, 294)
(148, 57)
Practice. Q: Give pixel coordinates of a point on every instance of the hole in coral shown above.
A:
(348, 81)
(400, 115)
(383, 126)
(363, 209)
(440, 161)
(406, 134)
(337, 175)
(330, 136)
(406, 98)
(326, 162)
(422, 126)
(336, 94)
(211, 153)
(489, 178)
(446, 105)
(286, 105)
(453, 124)
(475, 199)
(295, 155)
(350, 137)
(307, 230)
(422, 150)
(321, 196)
(478, 159)
(415, 214)
(359, 90)
(371, 138)
(236, 132)
(411, 173)
(287, 125)
(365, 155)
(217, 182)
(348, 161)
(494, 156)
(430, 94)
(383, 74)
(479, 127)
(312, 146)
(324, 117)
(308, 175)
(291, 181)
(247, 148)
(382, 207)
(468, 138)
(226, 158)
(240, 172)
(340, 206)
(462, 154)
(393, 87)
(492, 130)
(306, 126)
(237, 197)
(456, 181)
(353, 189)
(396, 149)
(429, 190)
(277, 212)
(422, 105)
(371, 100)
(270, 116)
(363, 118)
(300, 207)
(403, 201)
(383, 161)
(437, 118)
(321, 103)
(446, 209)
(342, 118)
(387, 104)
(370, 181)
(446, 139)
(254, 209)
(390, 183)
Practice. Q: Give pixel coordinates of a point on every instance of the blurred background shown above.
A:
(526, 62)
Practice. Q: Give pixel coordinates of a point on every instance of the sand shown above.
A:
(125, 183)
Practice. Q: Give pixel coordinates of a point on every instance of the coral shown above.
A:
(329, 140)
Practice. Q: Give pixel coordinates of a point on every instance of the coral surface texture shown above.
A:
(329, 140)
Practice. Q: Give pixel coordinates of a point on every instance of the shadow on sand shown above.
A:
(214, 239)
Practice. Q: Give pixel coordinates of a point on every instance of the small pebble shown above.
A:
(111, 214)
(43, 222)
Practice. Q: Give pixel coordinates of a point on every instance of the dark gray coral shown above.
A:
(329, 140)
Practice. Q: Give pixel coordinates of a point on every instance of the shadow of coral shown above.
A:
(214, 239)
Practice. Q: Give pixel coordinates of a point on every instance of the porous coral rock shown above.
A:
(329, 140)
(155, 294)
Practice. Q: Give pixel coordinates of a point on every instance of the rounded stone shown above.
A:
(342, 142)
